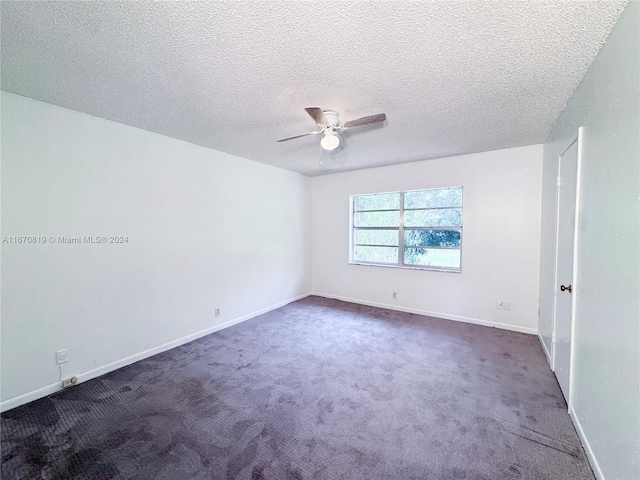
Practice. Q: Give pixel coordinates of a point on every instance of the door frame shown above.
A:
(578, 137)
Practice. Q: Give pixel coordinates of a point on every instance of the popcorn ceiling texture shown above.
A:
(452, 77)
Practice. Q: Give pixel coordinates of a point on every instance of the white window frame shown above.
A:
(400, 228)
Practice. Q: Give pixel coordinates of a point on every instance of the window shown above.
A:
(413, 229)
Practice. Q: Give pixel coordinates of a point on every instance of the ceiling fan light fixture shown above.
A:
(330, 141)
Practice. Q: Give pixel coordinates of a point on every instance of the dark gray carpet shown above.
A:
(319, 389)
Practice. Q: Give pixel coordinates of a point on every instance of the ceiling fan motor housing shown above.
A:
(332, 117)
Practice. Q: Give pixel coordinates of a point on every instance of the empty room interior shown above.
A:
(320, 240)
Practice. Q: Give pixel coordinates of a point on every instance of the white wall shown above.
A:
(606, 394)
(206, 229)
(501, 232)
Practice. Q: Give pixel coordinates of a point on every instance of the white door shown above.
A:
(565, 244)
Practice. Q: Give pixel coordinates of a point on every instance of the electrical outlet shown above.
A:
(507, 305)
(62, 356)
(69, 382)
(394, 295)
(500, 305)
(217, 312)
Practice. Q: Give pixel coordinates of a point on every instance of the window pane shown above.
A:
(382, 201)
(432, 238)
(434, 258)
(442, 197)
(376, 219)
(377, 237)
(449, 217)
(376, 254)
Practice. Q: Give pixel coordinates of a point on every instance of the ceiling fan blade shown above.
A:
(298, 136)
(358, 122)
(317, 114)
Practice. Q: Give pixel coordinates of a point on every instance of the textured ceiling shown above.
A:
(453, 77)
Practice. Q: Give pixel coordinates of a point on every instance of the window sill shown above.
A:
(410, 267)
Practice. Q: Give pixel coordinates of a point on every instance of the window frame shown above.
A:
(401, 228)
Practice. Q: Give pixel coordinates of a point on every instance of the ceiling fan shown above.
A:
(329, 125)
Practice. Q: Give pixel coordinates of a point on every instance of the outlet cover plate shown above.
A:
(62, 356)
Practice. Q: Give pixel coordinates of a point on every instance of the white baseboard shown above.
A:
(83, 377)
(446, 316)
(546, 351)
(585, 443)
(29, 396)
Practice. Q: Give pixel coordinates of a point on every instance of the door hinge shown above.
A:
(558, 181)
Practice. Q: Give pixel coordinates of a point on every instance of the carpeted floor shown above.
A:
(319, 389)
